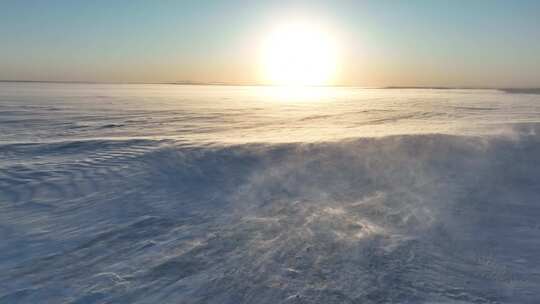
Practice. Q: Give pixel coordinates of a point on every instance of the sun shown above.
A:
(299, 54)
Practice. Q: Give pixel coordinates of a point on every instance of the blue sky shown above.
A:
(457, 43)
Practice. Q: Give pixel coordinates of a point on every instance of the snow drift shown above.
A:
(408, 219)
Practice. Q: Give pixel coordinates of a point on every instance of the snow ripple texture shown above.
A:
(101, 215)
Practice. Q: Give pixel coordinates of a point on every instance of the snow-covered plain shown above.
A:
(218, 194)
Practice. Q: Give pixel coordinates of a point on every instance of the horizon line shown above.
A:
(202, 83)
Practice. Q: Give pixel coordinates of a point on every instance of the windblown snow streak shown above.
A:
(410, 218)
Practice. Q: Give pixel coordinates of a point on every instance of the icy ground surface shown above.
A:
(214, 194)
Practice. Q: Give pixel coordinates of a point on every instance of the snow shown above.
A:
(216, 194)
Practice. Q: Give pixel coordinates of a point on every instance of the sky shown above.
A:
(471, 43)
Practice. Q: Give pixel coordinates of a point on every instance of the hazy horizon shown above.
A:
(195, 83)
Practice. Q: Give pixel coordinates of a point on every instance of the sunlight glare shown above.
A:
(299, 54)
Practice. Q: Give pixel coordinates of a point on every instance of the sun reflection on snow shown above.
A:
(299, 94)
